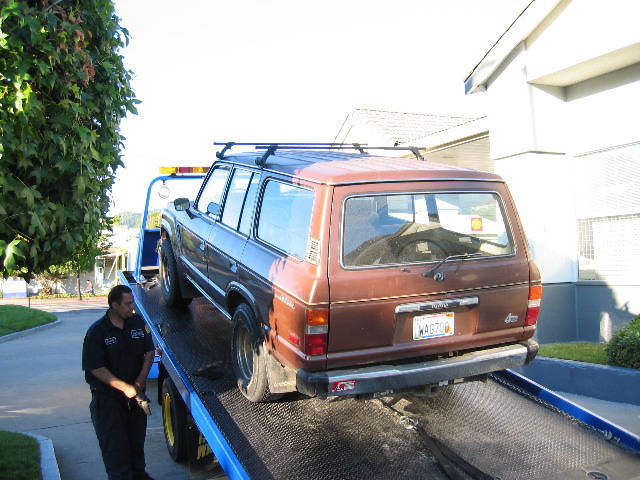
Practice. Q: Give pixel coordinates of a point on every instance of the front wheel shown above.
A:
(169, 277)
(249, 357)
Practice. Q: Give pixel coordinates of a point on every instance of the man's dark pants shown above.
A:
(121, 427)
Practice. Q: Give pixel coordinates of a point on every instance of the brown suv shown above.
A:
(353, 274)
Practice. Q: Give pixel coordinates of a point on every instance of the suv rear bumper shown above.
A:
(379, 378)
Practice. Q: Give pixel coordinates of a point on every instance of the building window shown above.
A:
(610, 249)
(608, 211)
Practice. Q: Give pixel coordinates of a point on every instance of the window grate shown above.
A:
(609, 248)
(608, 212)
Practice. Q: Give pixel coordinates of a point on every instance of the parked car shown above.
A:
(354, 274)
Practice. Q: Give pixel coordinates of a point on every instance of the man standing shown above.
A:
(116, 357)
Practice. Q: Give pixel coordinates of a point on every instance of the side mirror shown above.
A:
(212, 209)
(181, 204)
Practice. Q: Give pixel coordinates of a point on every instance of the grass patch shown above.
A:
(577, 351)
(19, 457)
(15, 318)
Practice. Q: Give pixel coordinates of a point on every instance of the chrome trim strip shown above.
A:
(436, 305)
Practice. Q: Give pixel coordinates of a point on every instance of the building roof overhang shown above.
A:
(530, 18)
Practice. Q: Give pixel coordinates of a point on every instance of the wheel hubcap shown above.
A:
(244, 354)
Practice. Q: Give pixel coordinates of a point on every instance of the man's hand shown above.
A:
(130, 391)
(141, 384)
(105, 376)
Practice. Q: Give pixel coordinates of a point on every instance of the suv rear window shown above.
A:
(285, 217)
(422, 227)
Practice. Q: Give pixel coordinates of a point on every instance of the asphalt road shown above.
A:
(44, 392)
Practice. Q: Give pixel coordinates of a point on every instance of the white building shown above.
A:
(563, 85)
(563, 128)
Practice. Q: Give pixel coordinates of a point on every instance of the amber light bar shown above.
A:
(175, 170)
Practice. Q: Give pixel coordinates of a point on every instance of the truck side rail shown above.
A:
(207, 426)
(608, 429)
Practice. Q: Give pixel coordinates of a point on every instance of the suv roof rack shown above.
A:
(272, 147)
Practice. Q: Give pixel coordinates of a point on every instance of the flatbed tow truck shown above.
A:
(506, 428)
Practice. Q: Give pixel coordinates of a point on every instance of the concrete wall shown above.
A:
(603, 309)
(557, 321)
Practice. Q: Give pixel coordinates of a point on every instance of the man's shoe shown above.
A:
(142, 476)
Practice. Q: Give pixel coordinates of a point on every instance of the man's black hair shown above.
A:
(116, 293)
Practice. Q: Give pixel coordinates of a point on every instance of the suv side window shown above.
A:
(249, 204)
(285, 217)
(211, 193)
(236, 195)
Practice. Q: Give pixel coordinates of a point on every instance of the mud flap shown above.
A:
(281, 378)
(202, 461)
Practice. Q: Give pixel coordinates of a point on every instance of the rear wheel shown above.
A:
(174, 421)
(249, 357)
(169, 277)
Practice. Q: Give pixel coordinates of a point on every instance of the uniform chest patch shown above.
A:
(137, 333)
(110, 341)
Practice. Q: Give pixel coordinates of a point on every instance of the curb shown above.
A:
(604, 382)
(48, 462)
(28, 331)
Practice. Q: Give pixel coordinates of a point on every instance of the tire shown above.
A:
(169, 277)
(249, 357)
(174, 421)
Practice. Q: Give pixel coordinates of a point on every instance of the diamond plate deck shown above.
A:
(500, 431)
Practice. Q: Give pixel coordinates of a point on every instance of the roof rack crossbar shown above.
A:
(272, 147)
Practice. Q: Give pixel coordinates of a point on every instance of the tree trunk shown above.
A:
(78, 284)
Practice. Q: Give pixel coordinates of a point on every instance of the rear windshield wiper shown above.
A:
(433, 272)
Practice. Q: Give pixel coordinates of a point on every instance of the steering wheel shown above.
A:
(403, 245)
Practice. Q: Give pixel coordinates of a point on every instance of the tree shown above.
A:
(63, 92)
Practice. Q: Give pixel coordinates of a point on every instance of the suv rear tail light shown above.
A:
(316, 332)
(533, 307)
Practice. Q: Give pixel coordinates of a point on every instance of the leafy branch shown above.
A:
(63, 91)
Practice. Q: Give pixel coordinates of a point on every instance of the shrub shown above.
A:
(624, 348)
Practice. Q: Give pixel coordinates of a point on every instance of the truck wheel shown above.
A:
(249, 357)
(174, 421)
(169, 277)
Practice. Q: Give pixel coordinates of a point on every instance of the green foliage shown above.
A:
(127, 219)
(15, 318)
(576, 351)
(132, 220)
(63, 92)
(624, 348)
(19, 457)
(154, 217)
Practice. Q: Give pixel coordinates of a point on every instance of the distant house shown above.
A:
(124, 241)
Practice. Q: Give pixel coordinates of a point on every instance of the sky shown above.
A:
(288, 71)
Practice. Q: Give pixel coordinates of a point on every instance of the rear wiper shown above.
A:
(433, 272)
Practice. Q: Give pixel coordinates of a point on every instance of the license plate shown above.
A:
(433, 325)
